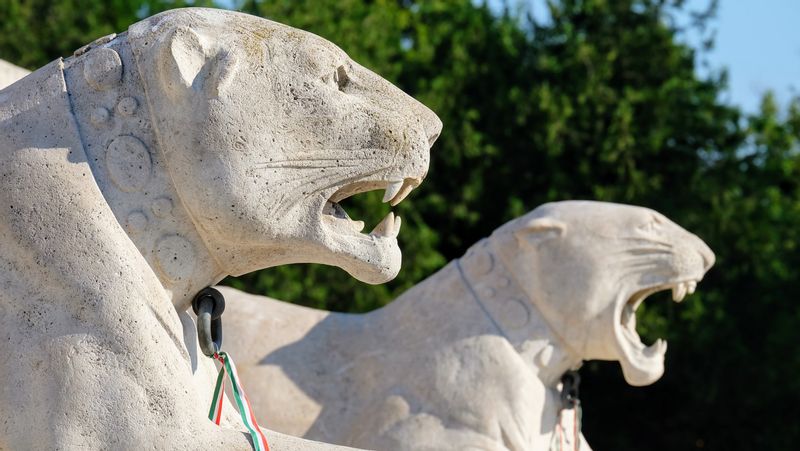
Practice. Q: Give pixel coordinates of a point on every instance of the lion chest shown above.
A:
(474, 393)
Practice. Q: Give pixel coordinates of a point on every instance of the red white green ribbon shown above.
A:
(561, 436)
(245, 409)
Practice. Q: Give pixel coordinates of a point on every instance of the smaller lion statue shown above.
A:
(471, 358)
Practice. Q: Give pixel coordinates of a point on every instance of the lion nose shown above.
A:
(434, 130)
(432, 139)
(430, 122)
(706, 253)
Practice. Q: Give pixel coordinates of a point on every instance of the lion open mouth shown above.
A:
(644, 364)
(377, 249)
(395, 192)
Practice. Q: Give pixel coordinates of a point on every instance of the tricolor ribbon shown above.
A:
(245, 409)
(561, 439)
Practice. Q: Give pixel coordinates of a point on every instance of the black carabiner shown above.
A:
(208, 305)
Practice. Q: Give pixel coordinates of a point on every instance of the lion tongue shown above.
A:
(335, 210)
(679, 292)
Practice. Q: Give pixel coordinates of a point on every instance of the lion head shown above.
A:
(265, 129)
(587, 266)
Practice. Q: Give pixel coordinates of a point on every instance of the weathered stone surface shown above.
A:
(471, 357)
(10, 73)
(151, 164)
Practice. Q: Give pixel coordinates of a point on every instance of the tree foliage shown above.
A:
(35, 32)
(601, 101)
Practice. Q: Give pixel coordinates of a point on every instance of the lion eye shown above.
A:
(338, 79)
(341, 78)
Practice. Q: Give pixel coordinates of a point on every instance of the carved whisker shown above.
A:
(360, 159)
(312, 160)
(643, 262)
(647, 241)
(642, 251)
(648, 251)
(638, 268)
(296, 165)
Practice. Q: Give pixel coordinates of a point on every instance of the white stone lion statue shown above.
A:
(471, 357)
(151, 164)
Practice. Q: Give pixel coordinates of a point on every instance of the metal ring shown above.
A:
(216, 297)
(208, 305)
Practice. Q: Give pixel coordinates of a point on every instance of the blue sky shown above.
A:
(759, 42)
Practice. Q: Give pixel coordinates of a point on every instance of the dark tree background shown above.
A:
(603, 101)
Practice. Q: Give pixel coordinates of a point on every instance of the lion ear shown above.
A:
(189, 64)
(539, 230)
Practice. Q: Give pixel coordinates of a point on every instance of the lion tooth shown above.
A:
(407, 187)
(391, 190)
(678, 292)
(397, 224)
(661, 346)
(691, 286)
(385, 227)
